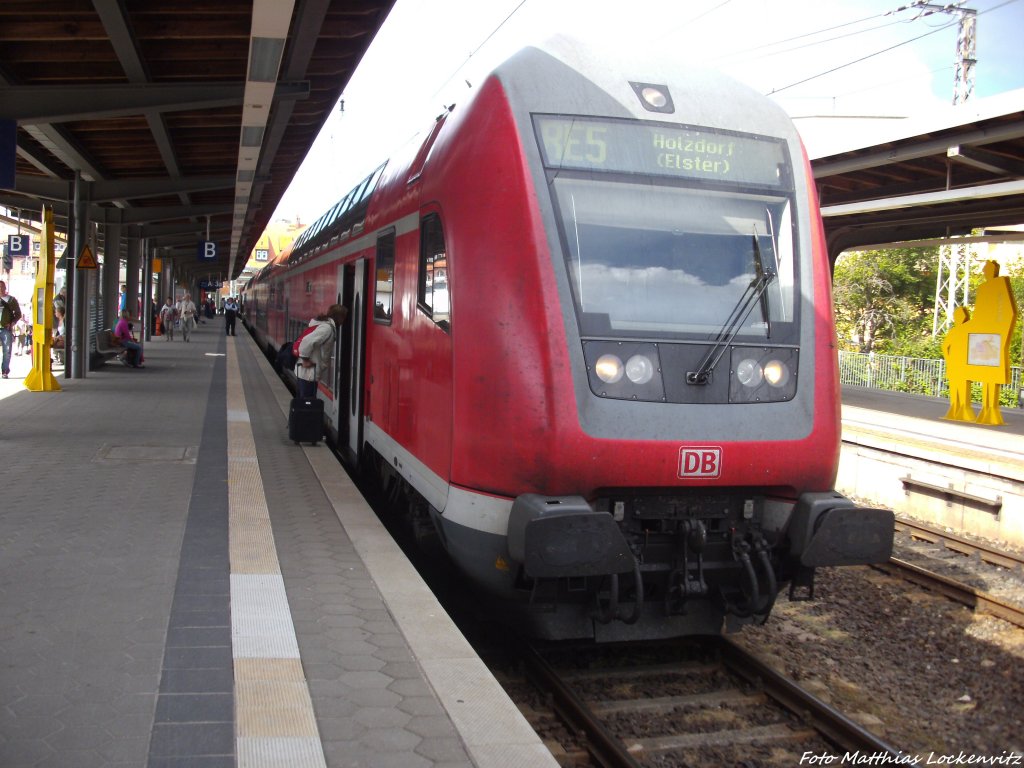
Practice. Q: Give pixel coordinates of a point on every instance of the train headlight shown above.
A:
(639, 369)
(749, 372)
(608, 368)
(653, 96)
(638, 378)
(763, 374)
(776, 373)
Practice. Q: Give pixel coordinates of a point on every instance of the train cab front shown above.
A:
(634, 566)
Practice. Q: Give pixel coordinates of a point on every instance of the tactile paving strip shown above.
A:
(274, 718)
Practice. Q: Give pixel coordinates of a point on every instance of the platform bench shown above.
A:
(104, 347)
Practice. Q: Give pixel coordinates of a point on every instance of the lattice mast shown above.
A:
(951, 285)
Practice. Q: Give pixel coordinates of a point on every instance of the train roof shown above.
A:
(565, 76)
(542, 75)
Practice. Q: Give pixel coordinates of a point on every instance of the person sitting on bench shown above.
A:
(123, 337)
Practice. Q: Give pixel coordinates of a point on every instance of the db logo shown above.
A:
(700, 462)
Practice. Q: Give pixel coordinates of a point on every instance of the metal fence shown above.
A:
(913, 374)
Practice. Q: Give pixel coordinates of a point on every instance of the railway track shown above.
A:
(715, 704)
(978, 600)
(985, 552)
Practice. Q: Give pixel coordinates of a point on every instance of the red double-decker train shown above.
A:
(591, 336)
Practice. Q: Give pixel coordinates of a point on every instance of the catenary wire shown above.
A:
(885, 50)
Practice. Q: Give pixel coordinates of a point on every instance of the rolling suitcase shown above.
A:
(306, 420)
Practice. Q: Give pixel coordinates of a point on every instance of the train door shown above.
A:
(350, 357)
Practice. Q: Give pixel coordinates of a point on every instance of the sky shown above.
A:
(819, 59)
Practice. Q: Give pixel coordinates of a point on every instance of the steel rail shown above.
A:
(832, 724)
(976, 599)
(960, 544)
(605, 748)
(609, 751)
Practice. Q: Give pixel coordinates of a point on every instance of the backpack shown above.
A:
(301, 336)
(288, 353)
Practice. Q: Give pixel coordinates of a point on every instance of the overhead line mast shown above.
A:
(951, 285)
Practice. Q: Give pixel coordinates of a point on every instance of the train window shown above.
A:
(646, 258)
(433, 274)
(385, 283)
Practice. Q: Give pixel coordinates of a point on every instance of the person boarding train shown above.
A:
(315, 348)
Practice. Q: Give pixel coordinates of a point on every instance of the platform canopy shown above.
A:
(933, 176)
(179, 114)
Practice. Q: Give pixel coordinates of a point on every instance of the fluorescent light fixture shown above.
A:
(252, 135)
(265, 58)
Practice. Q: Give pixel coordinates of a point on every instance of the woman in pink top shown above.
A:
(124, 338)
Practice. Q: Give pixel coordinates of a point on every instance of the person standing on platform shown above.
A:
(315, 348)
(230, 313)
(187, 313)
(168, 316)
(122, 303)
(10, 313)
(20, 334)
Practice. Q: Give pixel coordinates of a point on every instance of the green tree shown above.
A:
(884, 299)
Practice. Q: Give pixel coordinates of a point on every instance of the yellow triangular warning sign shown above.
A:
(85, 259)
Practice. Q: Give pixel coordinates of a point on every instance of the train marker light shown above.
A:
(608, 369)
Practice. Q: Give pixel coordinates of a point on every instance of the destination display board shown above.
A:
(631, 146)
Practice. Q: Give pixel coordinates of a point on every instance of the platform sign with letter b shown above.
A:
(19, 245)
(207, 250)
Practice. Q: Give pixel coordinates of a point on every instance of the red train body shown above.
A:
(592, 333)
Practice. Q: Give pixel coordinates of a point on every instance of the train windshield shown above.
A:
(664, 237)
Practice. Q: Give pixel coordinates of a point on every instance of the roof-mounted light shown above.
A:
(654, 97)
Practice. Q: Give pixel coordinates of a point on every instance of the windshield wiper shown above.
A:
(763, 295)
(754, 293)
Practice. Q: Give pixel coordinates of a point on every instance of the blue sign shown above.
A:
(19, 245)
(207, 250)
(209, 285)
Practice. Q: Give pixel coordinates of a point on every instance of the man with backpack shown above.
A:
(314, 348)
(10, 313)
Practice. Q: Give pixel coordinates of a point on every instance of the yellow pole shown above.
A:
(41, 378)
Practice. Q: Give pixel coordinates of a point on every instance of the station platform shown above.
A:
(864, 407)
(181, 585)
(899, 452)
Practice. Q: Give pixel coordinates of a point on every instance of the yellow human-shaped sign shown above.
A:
(978, 348)
(954, 349)
(40, 378)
